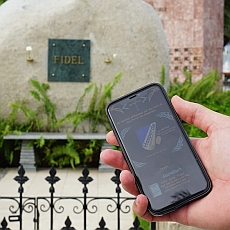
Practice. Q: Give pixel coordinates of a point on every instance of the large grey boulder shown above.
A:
(131, 29)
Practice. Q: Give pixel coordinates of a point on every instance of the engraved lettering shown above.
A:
(67, 60)
(74, 60)
(56, 58)
(79, 60)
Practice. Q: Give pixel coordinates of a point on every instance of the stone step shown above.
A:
(103, 167)
(27, 155)
(26, 161)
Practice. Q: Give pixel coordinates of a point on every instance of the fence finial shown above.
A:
(102, 225)
(68, 224)
(4, 224)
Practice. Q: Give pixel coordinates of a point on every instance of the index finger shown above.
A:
(111, 139)
(114, 158)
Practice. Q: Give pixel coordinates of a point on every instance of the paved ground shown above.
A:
(68, 186)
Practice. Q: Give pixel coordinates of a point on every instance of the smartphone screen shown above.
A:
(157, 149)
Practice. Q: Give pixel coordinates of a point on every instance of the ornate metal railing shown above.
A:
(80, 204)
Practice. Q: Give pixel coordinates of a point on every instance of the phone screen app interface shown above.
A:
(156, 147)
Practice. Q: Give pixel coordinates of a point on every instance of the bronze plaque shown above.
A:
(69, 60)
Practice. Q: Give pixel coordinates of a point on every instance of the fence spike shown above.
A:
(68, 224)
(102, 225)
(85, 179)
(136, 225)
(116, 178)
(21, 179)
(4, 224)
(52, 179)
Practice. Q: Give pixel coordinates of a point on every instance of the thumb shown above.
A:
(198, 115)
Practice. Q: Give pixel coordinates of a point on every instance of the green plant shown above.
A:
(95, 113)
(42, 117)
(207, 91)
(162, 79)
(47, 108)
(63, 155)
(8, 149)
(74, 153)
(31, 122)
(202, 90)
(37, 119)
(71, 153)
(33, 119)
(67, 153)
(5, 147)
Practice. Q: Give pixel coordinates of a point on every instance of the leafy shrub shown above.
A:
(207, 91)
(43, 118)
(95, 113)
(63, 153)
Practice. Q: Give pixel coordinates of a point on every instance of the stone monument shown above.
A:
(129, 30)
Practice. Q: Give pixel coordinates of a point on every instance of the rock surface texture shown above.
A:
(130, 29)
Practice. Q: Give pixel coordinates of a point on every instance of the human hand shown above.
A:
(211, 211)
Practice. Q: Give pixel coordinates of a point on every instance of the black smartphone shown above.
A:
(157, 149)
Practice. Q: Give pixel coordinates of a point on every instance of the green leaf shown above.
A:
(41, 141)
(35, 95)
(162, 80)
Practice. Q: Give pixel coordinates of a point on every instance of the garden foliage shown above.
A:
(207, 91)
(43, 118)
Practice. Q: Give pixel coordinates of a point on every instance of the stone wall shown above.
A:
(194, 31)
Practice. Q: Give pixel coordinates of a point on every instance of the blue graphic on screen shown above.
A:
(124, 132)
(179, 145)
(147, 136)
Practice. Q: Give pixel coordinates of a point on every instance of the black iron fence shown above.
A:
(83, 205)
